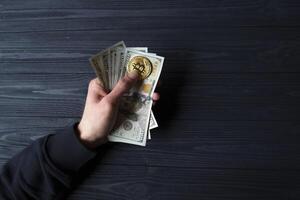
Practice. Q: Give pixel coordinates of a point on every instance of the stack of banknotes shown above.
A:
(135, 118)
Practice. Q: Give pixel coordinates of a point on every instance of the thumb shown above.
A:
(123, 86)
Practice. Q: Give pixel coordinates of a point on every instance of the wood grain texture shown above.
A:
(218, 144)
(229, 112)
(181, 183)
(232, 96)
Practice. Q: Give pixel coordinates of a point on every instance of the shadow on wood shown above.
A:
(167, 106)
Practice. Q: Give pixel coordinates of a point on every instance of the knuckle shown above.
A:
(91, 84)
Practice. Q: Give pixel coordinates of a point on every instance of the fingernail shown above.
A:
(133, 75)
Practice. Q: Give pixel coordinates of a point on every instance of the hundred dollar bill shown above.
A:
(148, 66)
(112, 64)
(152, 124)
(152, 121)
(118, 62)
(105, 65)
(143, 49)
(96, 66)
(98, 62)
(133, 121)
(149, 134)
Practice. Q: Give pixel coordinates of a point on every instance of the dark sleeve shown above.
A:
(44, 170)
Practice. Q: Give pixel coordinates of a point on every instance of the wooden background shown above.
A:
(229, 113)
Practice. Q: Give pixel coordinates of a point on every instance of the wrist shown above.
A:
(90, 141)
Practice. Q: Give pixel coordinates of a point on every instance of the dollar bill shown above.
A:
(133, 121)
(142, 49)
(112, 65)
(105, 66)
(118, 63)
(148, 66)
(152, 124)
(152, 121)
(100, 66)
(96, 66)
(149, 134)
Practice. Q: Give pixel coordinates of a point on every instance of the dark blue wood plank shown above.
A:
(207, 50)
(224, 13)
(190, 96)
(145, 182)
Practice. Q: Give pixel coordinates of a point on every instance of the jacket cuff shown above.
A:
(66, 151)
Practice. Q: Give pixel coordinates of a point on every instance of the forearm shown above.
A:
(44, 170)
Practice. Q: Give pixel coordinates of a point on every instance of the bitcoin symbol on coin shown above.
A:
(140, 64)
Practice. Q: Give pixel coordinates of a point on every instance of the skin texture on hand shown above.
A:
(101, 109)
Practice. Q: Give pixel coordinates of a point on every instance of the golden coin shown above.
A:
(140, 64)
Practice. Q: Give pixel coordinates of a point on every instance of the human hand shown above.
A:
(101, 109)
